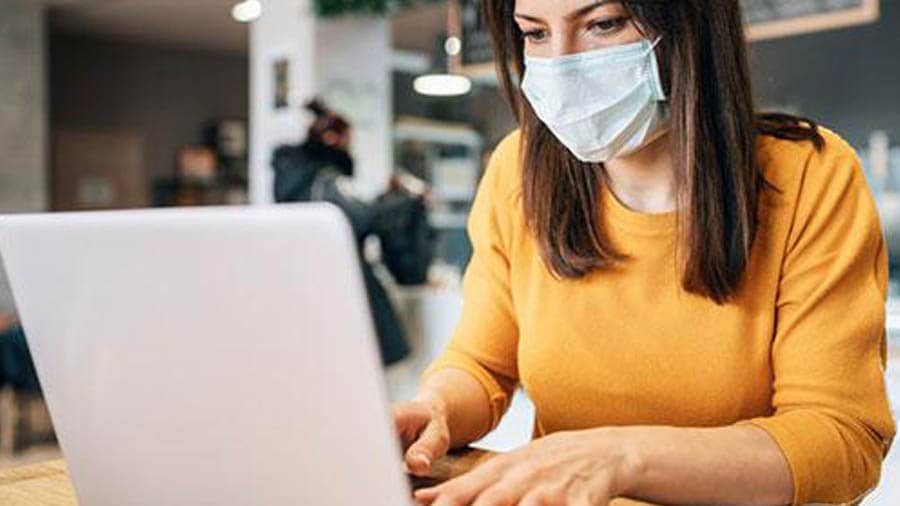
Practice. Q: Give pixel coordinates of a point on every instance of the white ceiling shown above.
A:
(203, 24)
(207, 24)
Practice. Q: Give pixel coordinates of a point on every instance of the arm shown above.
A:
(459, 397)
(737, 465)
(728, 465)
(450, 411)
(468, 388)
(832, 424)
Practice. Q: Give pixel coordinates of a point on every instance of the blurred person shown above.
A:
(321, 169)
(16, 365)
(17, 372)
(691, 292)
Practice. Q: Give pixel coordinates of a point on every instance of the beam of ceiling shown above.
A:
(207, 24)
(200, 24)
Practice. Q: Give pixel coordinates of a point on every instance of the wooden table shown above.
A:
(48, 484)
(44, 484)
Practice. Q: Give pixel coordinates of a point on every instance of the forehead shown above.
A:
(559, 7)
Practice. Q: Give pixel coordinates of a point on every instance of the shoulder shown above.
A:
(798, 165)
(810, 181)
(285, 155)
(286, 150)
(818, 189)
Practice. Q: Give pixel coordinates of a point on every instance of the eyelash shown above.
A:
(602, 27)
(607, 26)
(534, 35)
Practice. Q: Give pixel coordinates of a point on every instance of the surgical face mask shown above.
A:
(600, 104)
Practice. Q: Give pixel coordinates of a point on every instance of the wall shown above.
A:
(23, 108)
(286, 30)
(846, 79)
(164, 95)
(345, 61)
(353, 75)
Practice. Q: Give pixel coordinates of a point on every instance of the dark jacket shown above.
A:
(313, 171)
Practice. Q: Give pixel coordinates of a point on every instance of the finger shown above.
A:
(501, 494)
(461, 490)
(509, 490)
(409, 421)
(465, 488)
(432, 444)
(449, 500)
(424, 502)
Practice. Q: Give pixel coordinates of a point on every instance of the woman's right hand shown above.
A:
(424, 433)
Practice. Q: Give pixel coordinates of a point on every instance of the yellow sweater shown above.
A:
(800, 353)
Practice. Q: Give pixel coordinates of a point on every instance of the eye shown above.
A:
(606, 27)
(536, 35)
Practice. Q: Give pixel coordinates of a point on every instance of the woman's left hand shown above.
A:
(583, 468)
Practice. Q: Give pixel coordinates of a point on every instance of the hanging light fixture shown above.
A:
(443, 84)
(246, 11)
(453, 45)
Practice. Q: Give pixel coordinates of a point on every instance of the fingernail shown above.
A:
(424, 459)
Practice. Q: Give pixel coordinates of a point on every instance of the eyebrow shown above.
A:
(581, 12)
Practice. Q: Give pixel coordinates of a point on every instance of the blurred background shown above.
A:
(111, 104)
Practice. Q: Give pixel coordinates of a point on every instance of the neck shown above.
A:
(644, 181)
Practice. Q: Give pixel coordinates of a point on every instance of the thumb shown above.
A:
(432, 444)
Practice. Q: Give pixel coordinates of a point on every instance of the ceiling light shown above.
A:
(442, 85)
(453, 45)
(246, 11)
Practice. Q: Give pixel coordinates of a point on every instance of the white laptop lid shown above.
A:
(206, 357)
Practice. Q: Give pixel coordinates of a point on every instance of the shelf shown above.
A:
(408, 128)
(448, 220)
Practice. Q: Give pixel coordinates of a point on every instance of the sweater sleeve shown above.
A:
(485, 340)
(831, 416)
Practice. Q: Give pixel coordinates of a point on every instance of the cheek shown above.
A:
(590, 43)
(542, 50)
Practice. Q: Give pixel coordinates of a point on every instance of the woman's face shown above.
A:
(559, 27)
(337, 140)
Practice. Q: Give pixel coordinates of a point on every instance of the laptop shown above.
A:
(218, 356)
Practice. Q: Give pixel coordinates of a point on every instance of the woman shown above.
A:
(320, 170)
(692, 294)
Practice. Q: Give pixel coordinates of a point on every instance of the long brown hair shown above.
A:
(703, 60)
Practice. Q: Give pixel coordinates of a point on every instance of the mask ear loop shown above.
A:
(652, 48)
